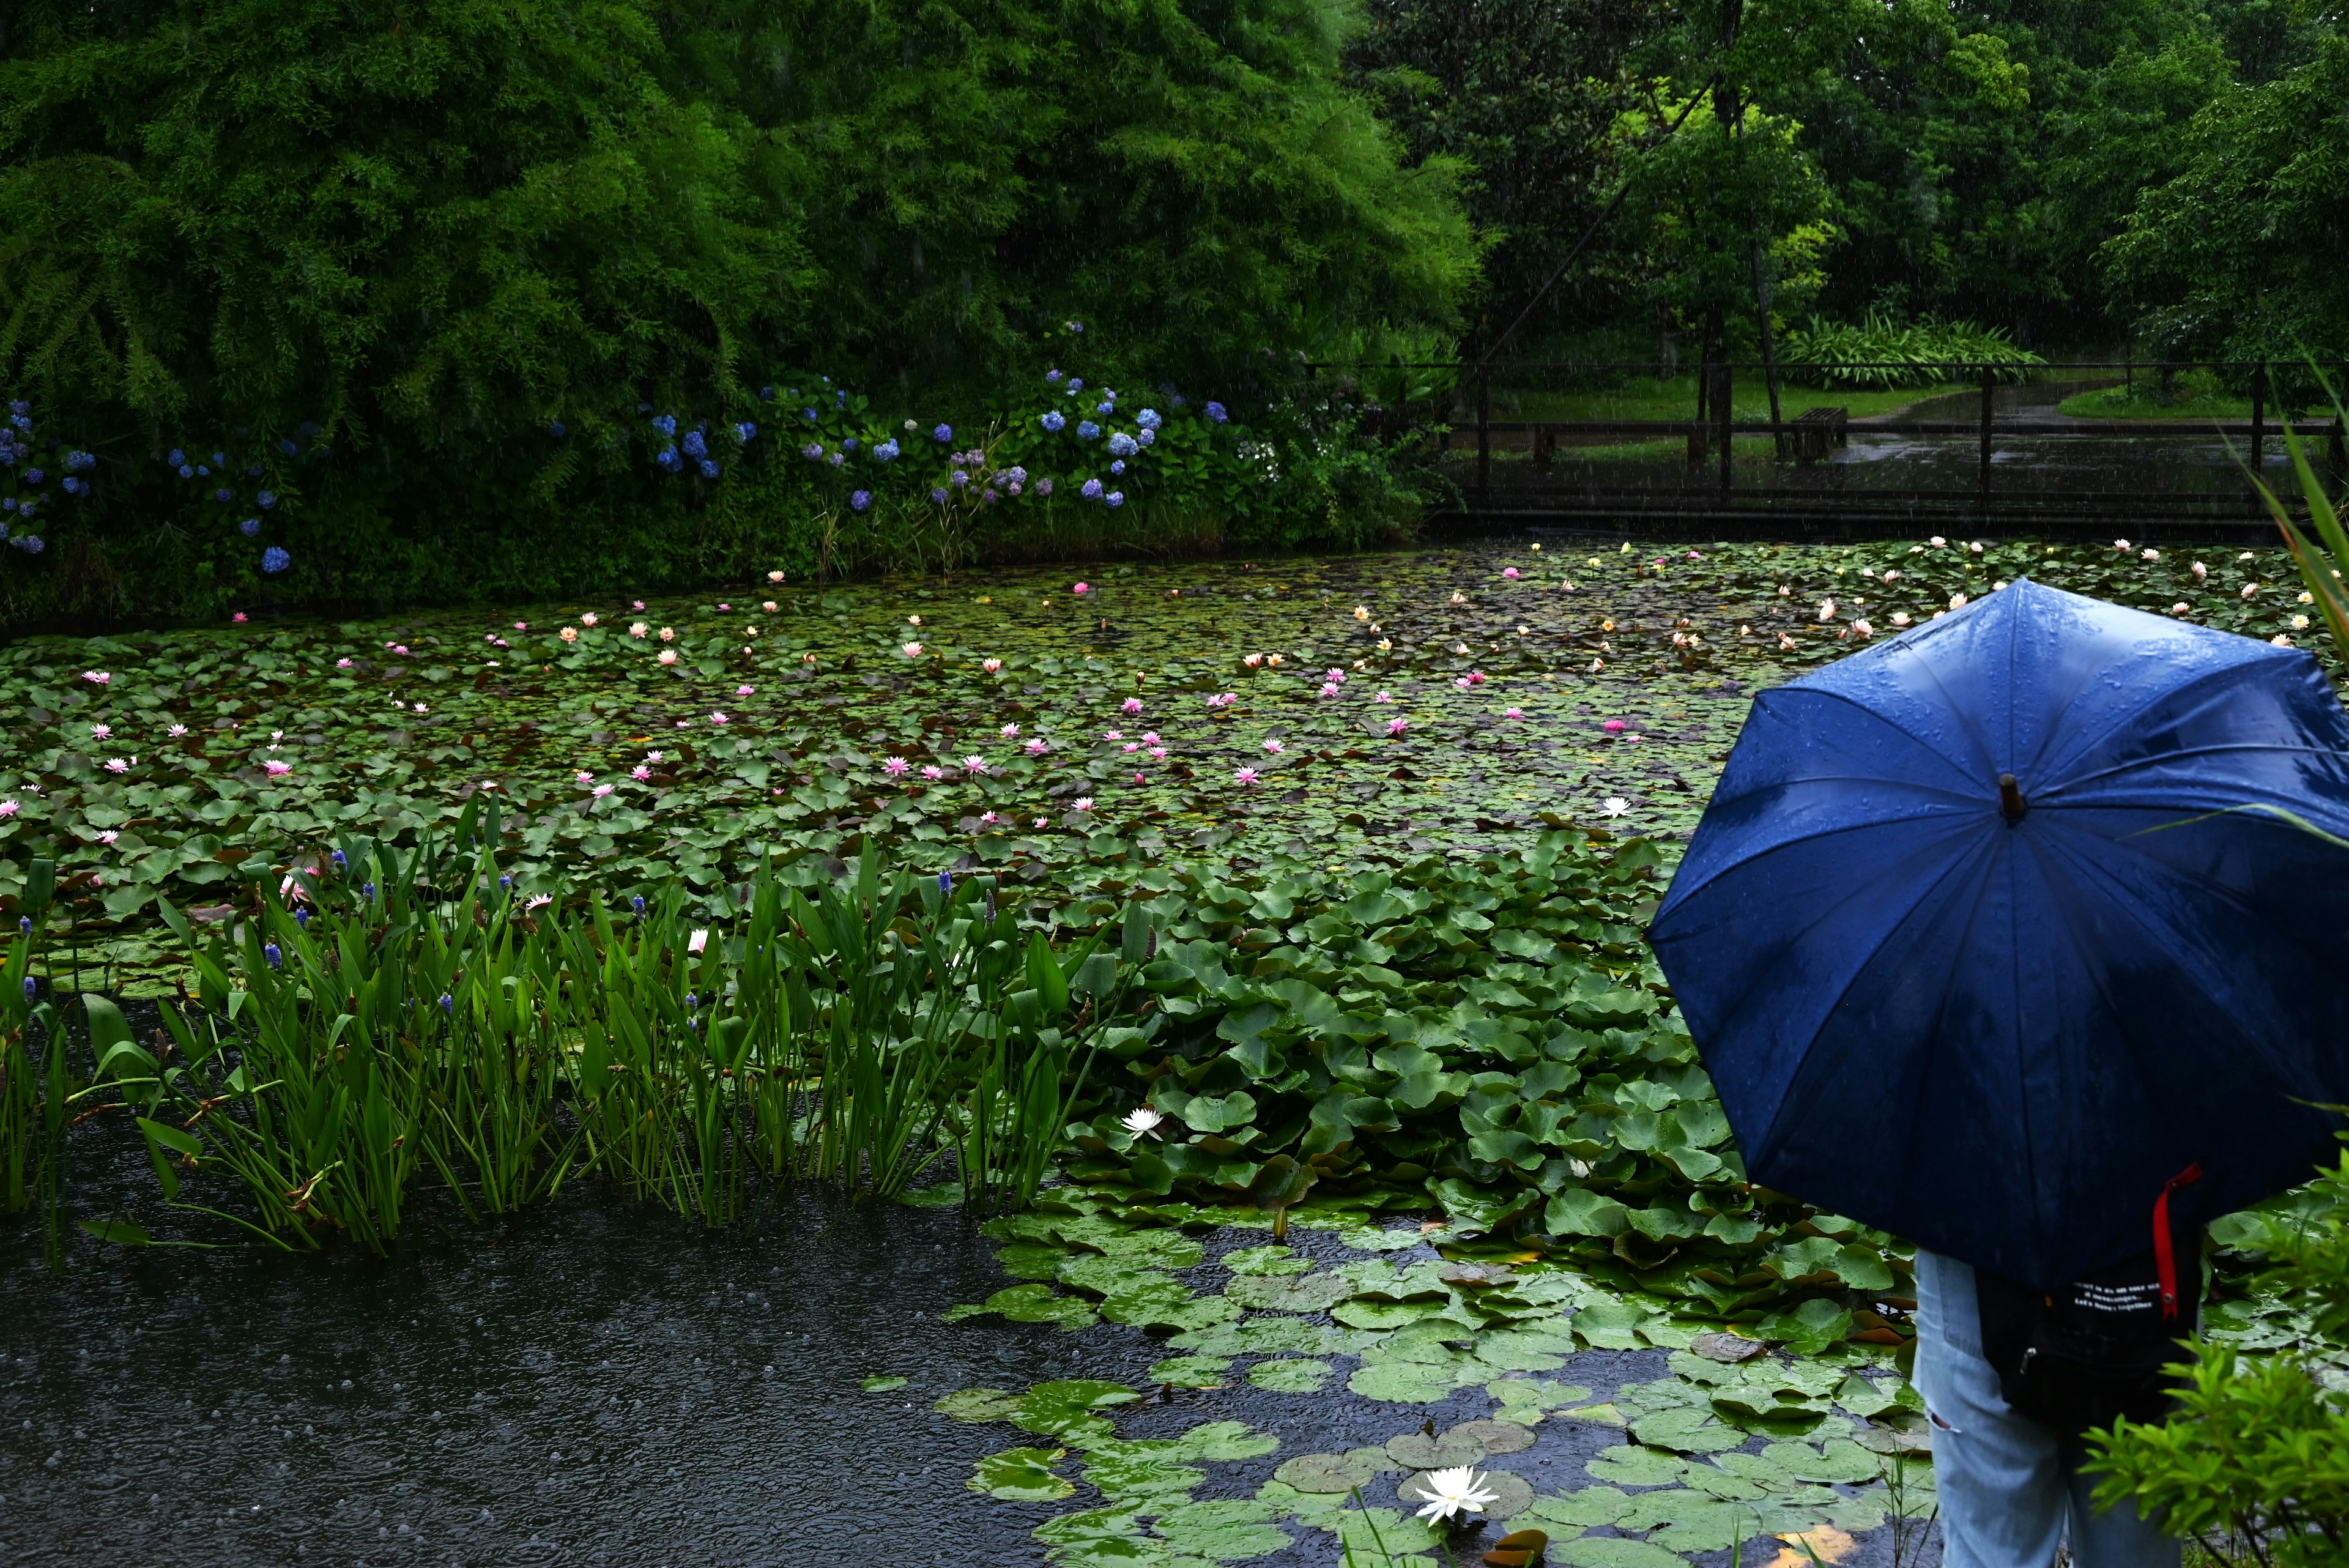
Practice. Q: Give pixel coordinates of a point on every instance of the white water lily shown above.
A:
(1615, 806)
(1454, 1491)
(696, 943)
(1142, 1122)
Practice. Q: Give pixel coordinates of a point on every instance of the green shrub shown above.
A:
(1879, 352)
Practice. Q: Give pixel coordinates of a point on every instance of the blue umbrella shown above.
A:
(1996, 931)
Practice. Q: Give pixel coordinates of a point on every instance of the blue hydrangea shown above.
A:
(1087, 430)
(178, 459)
(75, 486)
(1075, 385)
(1092, 490)
(1106, 406)
(836, 459)
(1147, 419)
(1122, 445)
(1054, 420)
(20, 407)
(204, 471)
(1115, 498)
(220, 460)
(887, 450)
(1147, 437)
(1118, 467)
(942, 434)
(1215, 414)
(555, 429)
(35, 476)
(858, 500)
(223, 496)
(694, 444)
(253, 471)
(1053, 377)
(938, 495)
(265, 500)
(709, 468)
(959, 479)
(275, 559)
(1016, 474)
(848, 443)
(8, 503)
(744, 431)
(665, 424)
(28, 542)
(809, 415)
(287, 447)
(812, 452)
(249, 527)
(186, 471)
(667, 457)
(766, 394)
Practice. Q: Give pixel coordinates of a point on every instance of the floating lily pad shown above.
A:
(1028, 1304)
(1388, 1314)
(1224, 1440)
(1419, 1451)
(1032, 1260)
(1291, 1376)
(1840, 1460)
(882, 1384)
(1629, 1466)
(1691, 1429)
(1726, 1347)
(1404, 1382)
(1267, 1261)
(1584, 1510)
(1512, 1494)
(1611, 1552)
(1070, 1407)
(1607, 1413)
(1294, 1292)
(1191, 1371)
(978, 1405)
(1135, 1482)
(1494, 1437)
(1265, 1335)
(1371, 1239)
(1325, 1473)
(1023, 1475)
(1226, 1529)
(1378, 1535)
(1613, 1325)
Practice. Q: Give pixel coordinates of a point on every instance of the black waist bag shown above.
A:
(2080, 1357)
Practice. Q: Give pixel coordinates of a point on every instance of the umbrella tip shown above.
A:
(2011, 803)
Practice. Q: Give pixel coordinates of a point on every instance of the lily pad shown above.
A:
(1191, 1371)
(1584, 1510)
(1291, 1376)
(978, 1405)
(1418, 1451)
(1267, 1260)
(1070, 1407)
(1028, 1304)
(1611, 1552)
(1226, 1530)
(1726, 1347)
(1690, 1429)
(1389, 1314)
(1296, 1293)
(1404, 1382)
(1023, 1475)
(1629, 1466)
(1135, 1482)
(1326, 1473)
(1494, 1437)
(1226, 1442)
(882, 1384)
(1372, 1239)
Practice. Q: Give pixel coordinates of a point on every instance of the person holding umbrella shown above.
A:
(2011, 935)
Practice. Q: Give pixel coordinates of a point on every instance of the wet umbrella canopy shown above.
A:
(1999, 1020)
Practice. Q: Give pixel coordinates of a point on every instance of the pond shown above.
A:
(1322, 775)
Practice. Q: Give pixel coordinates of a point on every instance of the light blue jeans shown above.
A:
(2010, 1488)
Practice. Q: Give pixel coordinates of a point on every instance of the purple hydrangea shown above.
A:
(1054, 420)
(1147, 419)
(275, 560)
(1115, 498)
(887, 449)
(249, 527)
(938, 495)
(1087, 430)
(1092, 491)
(812, 452)
(959, 479)
(1215, 414)
(859, 500)
(942, 434)
(1123, 445)
(1043, 488)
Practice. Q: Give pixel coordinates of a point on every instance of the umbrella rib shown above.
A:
(1922, 814)
(1886, 721)
(2166, 758)
(2080, 743)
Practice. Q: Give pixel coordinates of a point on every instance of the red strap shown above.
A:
(2162, 1260)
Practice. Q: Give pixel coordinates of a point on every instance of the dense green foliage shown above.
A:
(1879, 352)
(429, 270)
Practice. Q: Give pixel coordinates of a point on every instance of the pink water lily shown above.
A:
(1112, 734)
(1037, 747)
(640, 772)
(101, 731)
(602, 790)
(176, 730)
(1510, 573)
(934, 773)
(342, 664)
(1081, 588)
(275, 768)
(744, 690)
(1009, 731)
(1613, 726)
(1246, 776)
(720, 720)
(1131, 705)
(9, 808)
(95, 677)
(1512, 713)
(990, 665)
(895, 767)
(1275, 747)
(583, 776)
(1397, 725)
(974, 765)
(1082, 803)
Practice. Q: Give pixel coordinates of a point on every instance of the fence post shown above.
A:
(1989, 383)
(2259, 426)
(1483, 436)
(1725, 422)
